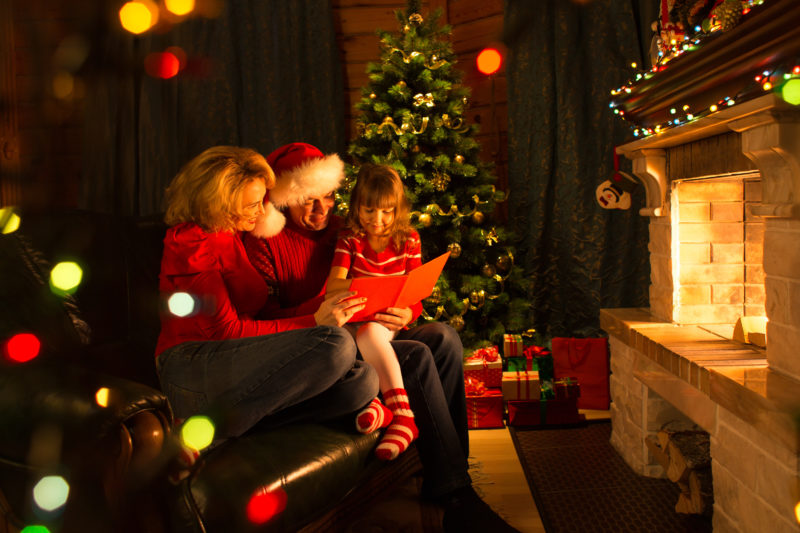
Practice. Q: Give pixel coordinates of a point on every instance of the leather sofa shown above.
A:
(118, 450)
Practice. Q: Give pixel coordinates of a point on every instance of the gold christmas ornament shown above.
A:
(440, 181)
(457, 323)
(503, 263)
(425, 219)
(454, 248)
(477, 217)
(459, 159)
(415, 18)
(488, 270)
(401, 84)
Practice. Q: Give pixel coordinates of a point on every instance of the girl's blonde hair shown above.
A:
(379, 186)
(207, 190)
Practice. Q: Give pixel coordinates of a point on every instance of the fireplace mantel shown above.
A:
(770, 130)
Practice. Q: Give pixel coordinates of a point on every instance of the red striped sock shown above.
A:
(402, 431)
(372, 417)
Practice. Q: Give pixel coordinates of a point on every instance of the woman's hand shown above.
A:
(394, 318)
(338, 307)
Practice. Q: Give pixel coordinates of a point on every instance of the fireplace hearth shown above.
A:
(723, 199)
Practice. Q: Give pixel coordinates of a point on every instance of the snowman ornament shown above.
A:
(616, 192)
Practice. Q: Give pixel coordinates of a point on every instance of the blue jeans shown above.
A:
(431, 360)
(306, 374)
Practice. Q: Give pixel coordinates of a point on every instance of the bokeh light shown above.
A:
(181, 304)
(9, 221)
(162, 65)
(797, 512)
(791, 91)
(179, 7)
(22, 347)
(197, 432)
(101, 396)
(265, 504)
(51, 492)
(138, 16)
(66, 276)
(35, 529)
(63, 85)
(489, 61)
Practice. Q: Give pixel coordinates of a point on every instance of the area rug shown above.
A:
(581, 484)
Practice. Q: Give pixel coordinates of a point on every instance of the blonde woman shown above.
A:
(212, 356)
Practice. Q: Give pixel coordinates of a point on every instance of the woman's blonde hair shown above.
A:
(379, 186)
(208, 188)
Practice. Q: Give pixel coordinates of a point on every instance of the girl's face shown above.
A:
(251, 205)
(376, 221)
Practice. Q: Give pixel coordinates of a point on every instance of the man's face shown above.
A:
(314, 214)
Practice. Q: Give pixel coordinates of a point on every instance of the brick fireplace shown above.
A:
(723, 200)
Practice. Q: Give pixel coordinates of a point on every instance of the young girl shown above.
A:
(379, 241)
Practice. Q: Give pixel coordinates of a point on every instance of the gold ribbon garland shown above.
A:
(389, 122)
(423, 99)
(457, 124)
(416, 18)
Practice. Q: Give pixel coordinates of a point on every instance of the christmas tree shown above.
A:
(411, 118)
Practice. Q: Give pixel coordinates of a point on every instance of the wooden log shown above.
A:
(659, 454)
(675, 426)
(687, 451)
(684, 504)
(701, 491)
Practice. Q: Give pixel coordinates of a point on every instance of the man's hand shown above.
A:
(394, 318)
(338, 308)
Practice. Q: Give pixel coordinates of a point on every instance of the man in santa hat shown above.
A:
(292, 246)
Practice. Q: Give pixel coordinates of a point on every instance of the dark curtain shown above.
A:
(261, 74)
(564, 57)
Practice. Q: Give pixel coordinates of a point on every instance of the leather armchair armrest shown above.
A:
(106, 435)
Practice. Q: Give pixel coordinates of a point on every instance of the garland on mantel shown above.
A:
(681, 34)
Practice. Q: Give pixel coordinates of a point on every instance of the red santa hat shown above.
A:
(302, 171)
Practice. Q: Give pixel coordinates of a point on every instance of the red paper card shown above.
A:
(397, 291)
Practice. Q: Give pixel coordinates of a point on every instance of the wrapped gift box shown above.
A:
(485, 365)
(520, 362)
(512, 345)
(485, 411)
(521, 385)
(567, 388)
(543, 412)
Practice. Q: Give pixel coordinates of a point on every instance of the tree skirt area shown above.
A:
(580, 484)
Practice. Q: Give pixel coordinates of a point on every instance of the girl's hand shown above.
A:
(338, 307)
(394, 318)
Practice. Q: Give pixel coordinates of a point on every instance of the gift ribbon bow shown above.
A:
(474, 387)
(535, 351)
(489, 354)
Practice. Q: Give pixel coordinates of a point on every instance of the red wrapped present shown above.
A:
(543, 412)
(485, 411)
(521, 385)
(567, 387)
(512, 345)
(485, 365)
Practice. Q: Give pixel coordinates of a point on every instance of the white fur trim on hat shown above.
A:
(270, 223)
(315, 177)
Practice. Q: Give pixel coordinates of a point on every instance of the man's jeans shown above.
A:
(306, 374)
(431, 362)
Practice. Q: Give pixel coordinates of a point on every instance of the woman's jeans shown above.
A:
(306, 374)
